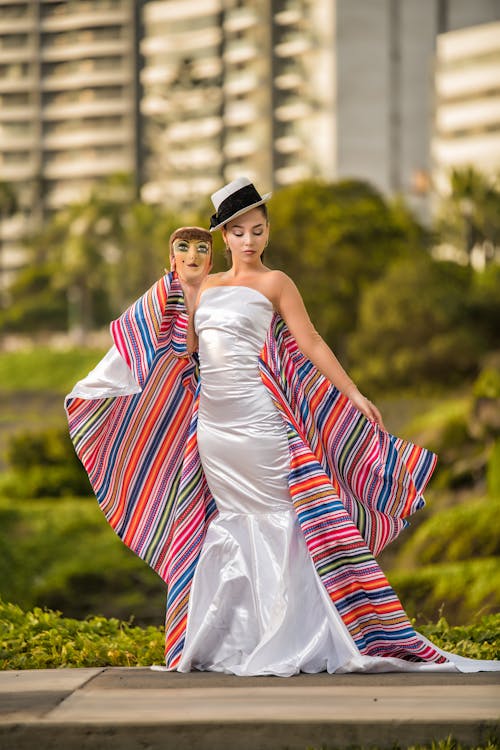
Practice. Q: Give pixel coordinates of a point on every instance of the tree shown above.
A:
(8, 207)
(99, 253)
(334, 240)
(470, 215)
(415, 327)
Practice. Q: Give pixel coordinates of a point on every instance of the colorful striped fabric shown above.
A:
(133, 446)
(352, 485)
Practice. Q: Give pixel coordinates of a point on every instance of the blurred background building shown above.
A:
(467, 124)
(69, 102)
(186, 94)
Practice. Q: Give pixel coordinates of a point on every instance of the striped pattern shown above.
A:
(133, 446)
(352, 485)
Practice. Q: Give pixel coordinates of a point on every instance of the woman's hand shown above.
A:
(366, 407)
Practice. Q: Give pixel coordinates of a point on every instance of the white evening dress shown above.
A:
(257, 605)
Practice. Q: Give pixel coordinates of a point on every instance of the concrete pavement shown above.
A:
(137, 708)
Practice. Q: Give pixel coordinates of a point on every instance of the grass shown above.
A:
(41, 368)
(447, 744)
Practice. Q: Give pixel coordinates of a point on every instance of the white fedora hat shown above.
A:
(235, 199)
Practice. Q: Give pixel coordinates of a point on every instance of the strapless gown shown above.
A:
(257, 605)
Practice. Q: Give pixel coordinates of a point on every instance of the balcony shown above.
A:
(239, 19)
(16, 25)
(472, 115)
(19, 171)
(90, 48)
(293, 45)
(239, 148)
(87, 136)
(292, 174)
(288, 81)
(157, 12)
(240, 51)
(194, 130)
(87, 79)
(95, 108)
(470, 82)
(241, 84)
(288, 144)
(240, 113)
(77, 19)
(23, 112)
(91, 166)
(21, 54)
(179, 45)
(292, 110)
(12, 141)
(289, 16)
(14, 85)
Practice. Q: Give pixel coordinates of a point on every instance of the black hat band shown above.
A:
(240, 199)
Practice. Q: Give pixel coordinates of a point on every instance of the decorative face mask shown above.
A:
(191, 249)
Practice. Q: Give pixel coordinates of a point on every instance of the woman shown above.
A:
(285, 581)
(262, 498)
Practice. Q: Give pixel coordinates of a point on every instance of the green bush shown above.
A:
(493, 470)
(480, 640)
(42, 639)
(454, 589)
(44, 464)
(64, 555)
(415, 328)
(487, 384)
(461, 532)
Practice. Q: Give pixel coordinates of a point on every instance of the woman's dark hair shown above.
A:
(227, 253)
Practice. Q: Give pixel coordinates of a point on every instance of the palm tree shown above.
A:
(470, 216)
(8, 207)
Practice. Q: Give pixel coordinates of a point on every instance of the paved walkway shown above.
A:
(137, 708)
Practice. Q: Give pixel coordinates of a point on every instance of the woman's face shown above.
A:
(192, 259)
(247, 235)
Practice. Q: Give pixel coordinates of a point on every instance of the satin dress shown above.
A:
(257, 605)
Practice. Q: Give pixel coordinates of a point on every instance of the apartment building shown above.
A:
(68, 101)
(467, 115)
(234, 88)
(187, 94)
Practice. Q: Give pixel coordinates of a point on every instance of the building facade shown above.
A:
(68, 102)
(467, 115)
(186, 95)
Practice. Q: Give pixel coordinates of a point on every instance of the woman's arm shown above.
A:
(291, 307)
(192, 337)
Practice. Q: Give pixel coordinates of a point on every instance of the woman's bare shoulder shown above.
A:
(276, 281)
(213, 279)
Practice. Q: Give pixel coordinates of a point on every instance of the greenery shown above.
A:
(64, 555)
(335, 239)
(392, 345)
(41, 368)
(43, 464)
(42, 638)
(461, 532)
(447, 744)
(457, 589)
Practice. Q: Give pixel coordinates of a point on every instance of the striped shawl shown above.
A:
(352, 484)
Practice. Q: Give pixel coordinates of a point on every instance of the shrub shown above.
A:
(44, 464)
(64, 555)
(42, 639)
(461, 532)
(456, 589)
